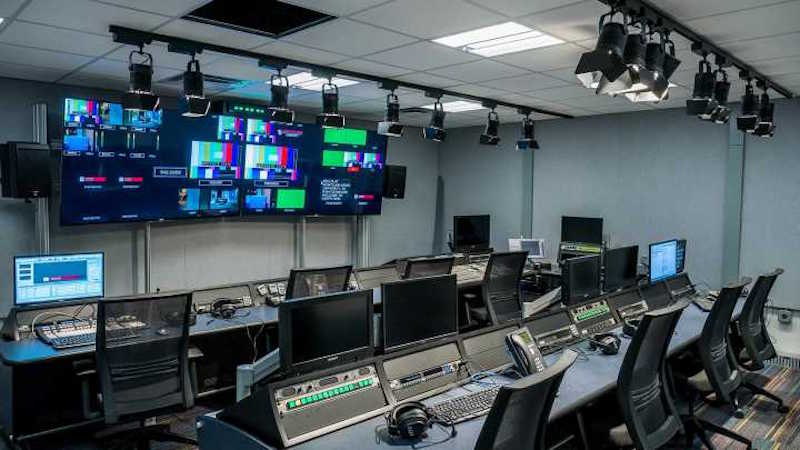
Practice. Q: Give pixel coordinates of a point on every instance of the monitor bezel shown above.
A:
(541, 254)
(458, 247)
(650, 278)
(49, 302)
(384, 322)
(596, 292)
(600, 219)
(627, 282)
(286, 343)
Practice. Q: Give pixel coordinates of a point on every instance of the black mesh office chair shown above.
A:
(428, 267)
(720, 373)
(142, 363)
(643, 386)
(313, 282)
(750, 327)
(519, 414)
(501, 289)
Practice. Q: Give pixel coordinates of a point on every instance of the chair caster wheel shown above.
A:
(783, 409)
(739, 413)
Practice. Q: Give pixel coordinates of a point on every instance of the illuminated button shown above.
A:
(291, 404)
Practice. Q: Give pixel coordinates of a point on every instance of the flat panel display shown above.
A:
(50, 278)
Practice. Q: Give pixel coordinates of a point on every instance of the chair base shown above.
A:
(142, 437)
(700, 427)
(782, 408)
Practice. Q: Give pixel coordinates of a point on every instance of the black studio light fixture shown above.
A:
(140, 95)
(194, 102)
(278, 109)
(703, 91)
(435, 130)
(330, 116)
(748, 117)
(717, 110)
(490, 135)
(656, 87)
(391, 126)
(527, 138)
(607, 59)
(765, 127)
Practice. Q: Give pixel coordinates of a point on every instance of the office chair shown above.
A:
(519, 414)
(428, 267)
(144, 372)
(720, 373)
(643, 386)
(501, 289)
(750, 327)
(314, 282)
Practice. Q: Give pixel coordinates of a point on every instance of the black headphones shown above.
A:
(629, 327)
(223, 308)
(410, 420)
(607, 342)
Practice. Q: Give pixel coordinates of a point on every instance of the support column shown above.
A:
(300, 241)
(147, 261)
(732, 204)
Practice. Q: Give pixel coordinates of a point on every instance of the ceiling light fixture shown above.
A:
(766, 113)
(657, 87)
(140, 95)
(606, 60)
(527, 139)
(748, 118)
(716, 109)
(636, 77)
(703, 90)
(435, 130)
(456, 106)
(330, 117)
(194, 102)
(490, 135)
(508, 37)
(310, 82)
(391, 125)
(278, 109)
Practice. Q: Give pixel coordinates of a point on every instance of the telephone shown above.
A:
(525, 352)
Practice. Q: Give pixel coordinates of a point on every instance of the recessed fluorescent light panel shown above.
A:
(458, 106)
(304, 80)
(499, 39)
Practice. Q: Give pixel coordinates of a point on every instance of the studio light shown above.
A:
(435, 129)
(490, 135)
(717, 110)
(703, 90)
(606, 60)
(391, 125)
(636, 77)
(657, 83)
(330, 117)
(140, 95)
(527, 139)
(278, 109)
(194, 103)
(748, 118)
(766, 113)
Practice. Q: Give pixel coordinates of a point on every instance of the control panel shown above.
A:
(593, 317)
(424, 373)
(628, 304)
(273, 292)
(374, 278)
(487, 350)
(553, 332)
(326, 390)
(579, 247)
(681, 287)
(469, 272)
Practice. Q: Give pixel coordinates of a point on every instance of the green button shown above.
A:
(316, 397)
(303, 401)
(291, 404)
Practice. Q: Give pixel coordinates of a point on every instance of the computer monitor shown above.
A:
(621, 268)
(325, 331)
(588, 230)
(419, 310)
(51, 278)
(471, 232)
(534, 247)
(580, 279)
(656, 295)
(317, 281)
(663, 260)
(681, 255)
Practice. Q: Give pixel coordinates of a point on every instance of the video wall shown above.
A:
(119, 166)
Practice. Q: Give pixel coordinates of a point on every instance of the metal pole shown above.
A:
(147, 257)
(42, 205)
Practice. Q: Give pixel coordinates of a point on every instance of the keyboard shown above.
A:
(469, 272)
(79, 333)
(466, 407)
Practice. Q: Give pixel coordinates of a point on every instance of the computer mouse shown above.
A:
(162, 332)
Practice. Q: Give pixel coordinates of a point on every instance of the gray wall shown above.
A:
(202, 253)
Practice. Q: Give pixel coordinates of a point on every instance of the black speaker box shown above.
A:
(394, 182)
(25, 170)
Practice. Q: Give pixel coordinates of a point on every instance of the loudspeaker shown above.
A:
(394, 182)
(25, 170)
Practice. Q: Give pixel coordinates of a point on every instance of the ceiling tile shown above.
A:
(516, 8)
(364, 90)
(525, 83)
(562, 93)
(24, 72)
(84, 15)
(366, 106)
(427, 79)
(681, 9)
(779, 66)
(336, 7)
(597, 102)
(163, 57)
(566, 74)
(422, 56)
(429, 19)
(174, 8)
(348, 37)
(98, 81)
(238, 68)
(765, 48)
(748, 24)
(481, 70)
(214, 35)
(9, 7)
(12, 54)
(480, 91)
(57, 39)
(111, 69)
(371, 68)
(548, 58)
(299, 52)
(571, 23)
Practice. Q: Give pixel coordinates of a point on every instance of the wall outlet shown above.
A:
(785, 316)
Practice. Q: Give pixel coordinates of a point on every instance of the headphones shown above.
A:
(629, 327)
(410, 420)
(223, 308)
(607, 342)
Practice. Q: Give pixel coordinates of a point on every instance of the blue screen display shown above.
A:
(663, 260)
(48, 278)
(152, 174)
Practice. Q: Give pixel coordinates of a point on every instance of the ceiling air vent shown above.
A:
(266, 17)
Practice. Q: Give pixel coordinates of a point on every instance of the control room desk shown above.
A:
(588, 379)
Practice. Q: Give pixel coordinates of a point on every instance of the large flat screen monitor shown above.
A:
(582, 279)
(620, 267)
(52, 278)
(325, 331)
(663, 260)
(419, 310)
(588, 230)
(471, 232)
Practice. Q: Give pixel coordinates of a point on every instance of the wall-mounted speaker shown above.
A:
(394, 181)
(25, 170)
